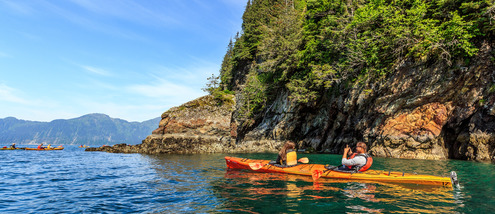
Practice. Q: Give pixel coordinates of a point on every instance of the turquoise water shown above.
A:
(75, 181)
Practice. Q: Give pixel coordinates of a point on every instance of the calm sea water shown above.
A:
(75, 181)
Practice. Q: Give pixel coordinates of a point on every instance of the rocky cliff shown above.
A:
(414, 79)
(421, 112)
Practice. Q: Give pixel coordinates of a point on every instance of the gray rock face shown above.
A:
(420, 112)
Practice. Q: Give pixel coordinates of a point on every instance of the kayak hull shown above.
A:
(369, 175)
(12, 148)
(44, 149)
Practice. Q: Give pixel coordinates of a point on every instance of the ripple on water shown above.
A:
(74, 181)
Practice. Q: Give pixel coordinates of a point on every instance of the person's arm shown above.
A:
(279, 160)
(356, 161)
(347, 149)
(344, 156)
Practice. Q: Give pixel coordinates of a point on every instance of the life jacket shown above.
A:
(366, 166)
(291, 158)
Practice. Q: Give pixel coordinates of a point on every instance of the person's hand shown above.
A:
(347, 149)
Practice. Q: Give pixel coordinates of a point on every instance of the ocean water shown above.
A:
(75, 181)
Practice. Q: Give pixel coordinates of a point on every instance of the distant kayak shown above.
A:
(45, 149)
(321, 171)
(12, 148)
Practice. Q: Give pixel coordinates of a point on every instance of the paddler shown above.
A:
(287, 155)
(358, 161)
(40, 146)
(12, 146)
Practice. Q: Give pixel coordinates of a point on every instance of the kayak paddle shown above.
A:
(317, 173)
(303, 160)
(256, 166)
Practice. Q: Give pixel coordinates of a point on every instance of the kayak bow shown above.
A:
(369, 175)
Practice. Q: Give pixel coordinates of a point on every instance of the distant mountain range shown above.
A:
(90, 129)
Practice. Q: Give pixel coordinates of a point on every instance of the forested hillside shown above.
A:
(414, 78)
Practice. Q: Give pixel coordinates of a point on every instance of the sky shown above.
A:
(129, 59)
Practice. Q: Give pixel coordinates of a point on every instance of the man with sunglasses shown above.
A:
(358, 161)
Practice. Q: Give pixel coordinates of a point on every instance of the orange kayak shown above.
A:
(12, 148)
(45, 149)
(369, 175)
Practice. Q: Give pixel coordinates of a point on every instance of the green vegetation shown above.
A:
(491, 89)
(221, 96)
(307, 47)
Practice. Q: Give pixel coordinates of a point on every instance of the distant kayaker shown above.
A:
(40, 146)
(12, 146)
(49, 146)
(359, 161)
(287, 155)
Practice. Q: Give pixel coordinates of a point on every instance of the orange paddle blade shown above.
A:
(316, 174)
(303, 160)
(255, 166)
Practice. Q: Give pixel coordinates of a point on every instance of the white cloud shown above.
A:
(162, 88)
(130, 112)
(239, 3)
(8, 94)
(195, 73)
(17, 6)
(95, 70)
(133, 11)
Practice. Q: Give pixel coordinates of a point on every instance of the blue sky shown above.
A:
(129, 59)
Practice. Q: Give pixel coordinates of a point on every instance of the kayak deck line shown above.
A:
(370, 175)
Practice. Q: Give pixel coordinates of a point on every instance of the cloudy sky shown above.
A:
(129, 59)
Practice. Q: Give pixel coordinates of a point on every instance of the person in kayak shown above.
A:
(40, 146)
(358, 161)
(12, 146)
(287, 155)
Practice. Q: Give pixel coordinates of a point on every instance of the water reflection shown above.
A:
(202, 183)
(183, 185)
(300, 192)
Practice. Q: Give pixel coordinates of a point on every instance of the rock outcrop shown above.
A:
(199, 126)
